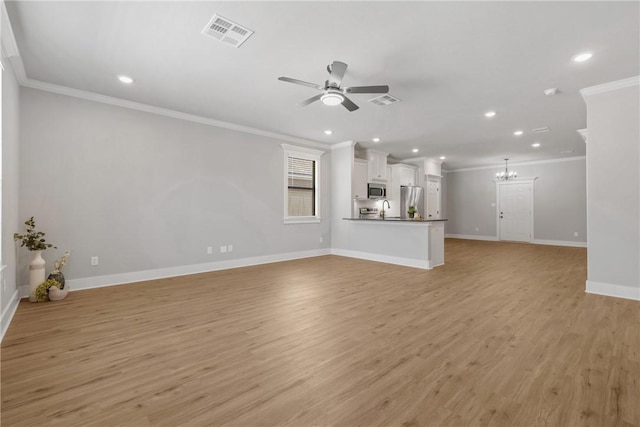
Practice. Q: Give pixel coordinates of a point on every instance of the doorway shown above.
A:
(515, 210)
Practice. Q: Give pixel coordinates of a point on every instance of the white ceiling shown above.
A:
(448, 62)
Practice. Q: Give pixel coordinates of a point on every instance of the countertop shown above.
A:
(393, 219)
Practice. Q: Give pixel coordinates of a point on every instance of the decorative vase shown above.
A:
(56, 294)
(36, 273)
(411, 215)
(58, 277)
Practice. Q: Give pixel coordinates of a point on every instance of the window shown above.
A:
(302, 184)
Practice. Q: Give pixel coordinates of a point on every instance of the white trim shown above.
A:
(584, 133)
(301, 219)
(471, 237)
(531, 182)
(118, 102)
(9, 45)
(8, 313)
(610, 86)
(559, 243)
(612, 290)
(303, 151)
(533, 162)
(406, 262)
(343, 144)
(161, 273)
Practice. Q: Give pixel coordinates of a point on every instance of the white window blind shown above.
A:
(301, 184)
(301, 187)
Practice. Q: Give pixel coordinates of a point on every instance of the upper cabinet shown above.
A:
(377, 166)
(360, 176)
(433, 167)
(403, 175)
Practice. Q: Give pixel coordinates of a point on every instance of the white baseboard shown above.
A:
(559, 243)
(9, 311)
(183, 270)
(611, 290)
(407, 262)
(534, 241)
(471, 237)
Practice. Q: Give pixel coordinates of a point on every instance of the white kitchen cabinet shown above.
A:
(433, 167)
(399, 175)
(360, 175)
(377, 165)
(404, 175)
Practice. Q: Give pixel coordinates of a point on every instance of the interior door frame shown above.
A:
(531, 194)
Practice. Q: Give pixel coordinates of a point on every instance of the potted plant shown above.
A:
(35, 242)
(411, 211)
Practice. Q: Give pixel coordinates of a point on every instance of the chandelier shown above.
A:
(506, 175)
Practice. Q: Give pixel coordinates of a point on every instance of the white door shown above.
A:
(433, 199)
(515, 211)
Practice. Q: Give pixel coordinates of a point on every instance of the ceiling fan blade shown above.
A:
(367, 89)
(349, 105)
(300, 82)
(337, 70)
(310, 100)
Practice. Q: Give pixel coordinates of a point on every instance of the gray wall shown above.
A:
(143, 191)
(10, 219)
(560, 200)
(613, 161)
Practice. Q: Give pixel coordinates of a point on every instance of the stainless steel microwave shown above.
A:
(376, 191)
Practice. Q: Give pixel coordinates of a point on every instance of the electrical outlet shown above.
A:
(4, 286)
(230, 248)
(321, 239)
(575, 234)
(94, 260)
(223, 249)
(477, 229)
(209, 250)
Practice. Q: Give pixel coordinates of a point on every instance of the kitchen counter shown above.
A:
(402, 241)
(394, 219)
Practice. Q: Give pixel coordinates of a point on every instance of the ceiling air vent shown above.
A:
(227, 31)
(384, 100)
(540, 130)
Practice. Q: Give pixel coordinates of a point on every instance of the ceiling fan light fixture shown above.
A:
(332, 98)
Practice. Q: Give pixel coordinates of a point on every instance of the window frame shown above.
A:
(306, 154)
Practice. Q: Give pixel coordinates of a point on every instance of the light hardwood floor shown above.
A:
(503, 334)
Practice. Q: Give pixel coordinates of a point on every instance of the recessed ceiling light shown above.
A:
(125, 79)
(581, 57)
(376, 139)
(535, 145)
(490, 114)
(328, 132)
(518, 133)
(442, 157)
(415, 150)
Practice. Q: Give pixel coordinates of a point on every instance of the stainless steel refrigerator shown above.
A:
(411, 195)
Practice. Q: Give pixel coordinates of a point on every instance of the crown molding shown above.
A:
(534, 162)
(9, 45)
(343, 144)
(11, 52)
(608, 87)
(119, 102)
(584, 133)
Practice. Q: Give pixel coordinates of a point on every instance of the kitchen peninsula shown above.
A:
(414, 243)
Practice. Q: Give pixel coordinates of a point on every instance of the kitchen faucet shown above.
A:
(388, 205)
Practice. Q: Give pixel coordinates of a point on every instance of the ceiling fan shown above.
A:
(332, 92)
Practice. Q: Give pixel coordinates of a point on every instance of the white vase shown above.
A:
(36, 273)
